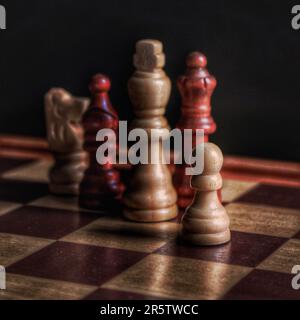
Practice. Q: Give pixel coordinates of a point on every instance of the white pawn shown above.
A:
(205, 221)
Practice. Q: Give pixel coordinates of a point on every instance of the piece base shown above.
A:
(206, 239)
(151, 215)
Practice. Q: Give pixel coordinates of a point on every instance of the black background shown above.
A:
(251, 47)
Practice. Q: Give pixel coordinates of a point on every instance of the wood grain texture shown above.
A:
(205, 221)
(150, 196)
(65, 138)
(101, 185)
(28, 147)
(196, 87)
(273, 172)
(143, 260)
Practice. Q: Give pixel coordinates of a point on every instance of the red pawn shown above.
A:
(196, 87)
(101, 187)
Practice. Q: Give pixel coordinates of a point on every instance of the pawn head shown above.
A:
(196, 60)
(100, 83)
(213, 159)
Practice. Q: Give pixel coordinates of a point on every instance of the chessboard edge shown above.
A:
(235, 167)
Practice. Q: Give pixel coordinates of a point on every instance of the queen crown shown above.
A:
(196, 86)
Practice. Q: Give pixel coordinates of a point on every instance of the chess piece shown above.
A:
(196, 87)
(205, 221)
(101, 187)
(150, 196)
(65, 138)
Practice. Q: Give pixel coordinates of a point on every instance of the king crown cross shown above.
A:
(149, 55)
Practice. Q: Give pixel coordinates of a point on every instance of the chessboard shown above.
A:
(52, 249)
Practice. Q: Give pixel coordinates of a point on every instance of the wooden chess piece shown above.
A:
(205, 221)
(101, 187)
(150, 196)
(196, 87)
(65, 138)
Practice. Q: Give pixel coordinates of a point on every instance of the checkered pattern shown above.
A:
(52, 249)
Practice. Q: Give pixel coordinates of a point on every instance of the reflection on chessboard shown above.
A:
(52, 249)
